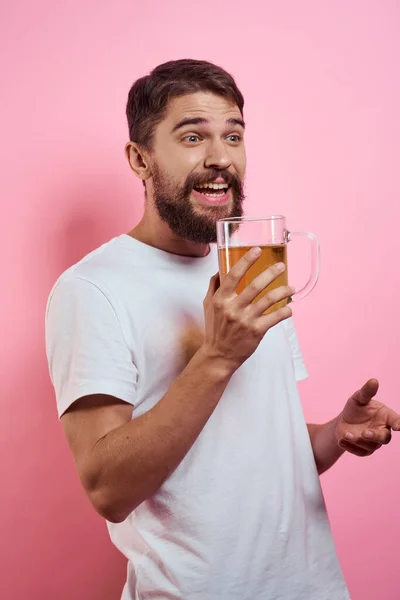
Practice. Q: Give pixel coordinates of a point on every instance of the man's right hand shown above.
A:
(234, 324)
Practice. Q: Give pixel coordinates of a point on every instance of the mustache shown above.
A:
(195, 180)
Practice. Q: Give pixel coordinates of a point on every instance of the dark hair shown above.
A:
(149, 96)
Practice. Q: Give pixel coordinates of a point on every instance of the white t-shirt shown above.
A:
(243, 516)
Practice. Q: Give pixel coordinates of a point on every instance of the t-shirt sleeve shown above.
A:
(300, 368)
(86, 349)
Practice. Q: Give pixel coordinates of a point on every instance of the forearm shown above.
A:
(131, 462)
(324, 445)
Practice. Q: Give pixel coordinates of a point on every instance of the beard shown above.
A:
(177, 211)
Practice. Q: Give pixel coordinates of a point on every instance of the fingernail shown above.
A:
(255, 252)
(280, 266)
(349, 436)
(368, 435)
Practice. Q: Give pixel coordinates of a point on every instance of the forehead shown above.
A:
(216, 109)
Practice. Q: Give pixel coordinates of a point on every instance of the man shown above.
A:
(202, 465)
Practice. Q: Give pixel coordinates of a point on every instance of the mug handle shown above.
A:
(315, 264)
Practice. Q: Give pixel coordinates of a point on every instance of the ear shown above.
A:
(138, 161)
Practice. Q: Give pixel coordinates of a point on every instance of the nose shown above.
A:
(218, 156)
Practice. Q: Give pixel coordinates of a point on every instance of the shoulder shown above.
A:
(87, 275)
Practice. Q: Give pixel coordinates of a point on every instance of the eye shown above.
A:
(192, 139)
(234, 138)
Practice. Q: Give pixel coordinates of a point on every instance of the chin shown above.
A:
(213, 212)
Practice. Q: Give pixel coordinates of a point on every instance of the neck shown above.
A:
(153, 231)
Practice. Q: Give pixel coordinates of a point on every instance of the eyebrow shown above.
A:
(203, 121)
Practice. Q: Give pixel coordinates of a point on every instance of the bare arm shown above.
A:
(325, 445)
(121, 461)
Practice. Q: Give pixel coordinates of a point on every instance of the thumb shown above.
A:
(363, 396)
(212, 288)
(191, 338)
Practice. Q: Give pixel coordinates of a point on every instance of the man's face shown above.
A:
(198, 163)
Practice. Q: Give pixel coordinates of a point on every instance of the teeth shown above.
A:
(214, 186)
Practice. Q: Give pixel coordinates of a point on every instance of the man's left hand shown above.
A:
(365, 424)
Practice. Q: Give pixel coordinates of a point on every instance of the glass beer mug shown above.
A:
(236, 236)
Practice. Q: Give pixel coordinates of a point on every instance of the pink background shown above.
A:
(322, 87)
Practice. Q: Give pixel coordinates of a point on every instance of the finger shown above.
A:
(393, 420)
(354, 449)
(212, 287)
(267, 321)
(236, 273)
(365, 444)
(259, 283)
(272, 297)
(363, 396)
(379, 436)
(362, 442)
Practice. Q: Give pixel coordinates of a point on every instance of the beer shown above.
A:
(270, 255)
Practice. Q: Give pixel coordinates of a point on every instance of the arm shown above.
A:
(364, 425)
(324, 444)
(121, 462)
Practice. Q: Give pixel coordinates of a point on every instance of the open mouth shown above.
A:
(213, 190)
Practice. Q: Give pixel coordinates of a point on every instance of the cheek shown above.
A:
(180, 162)
(190, 158)
(241, 163)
